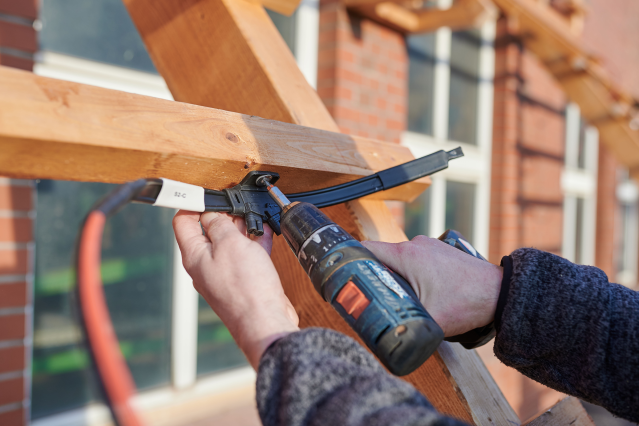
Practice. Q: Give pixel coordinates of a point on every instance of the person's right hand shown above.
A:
(459, 291)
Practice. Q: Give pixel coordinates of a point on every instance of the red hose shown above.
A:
(114, 373)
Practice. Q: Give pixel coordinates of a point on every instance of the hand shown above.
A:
(459, 291)
(237, 278)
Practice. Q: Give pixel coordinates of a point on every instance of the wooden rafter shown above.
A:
(61, 130)
(402, 17)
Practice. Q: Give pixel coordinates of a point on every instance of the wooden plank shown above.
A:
(461, 15)
(273, 87)
(568, 411)
(56, 129)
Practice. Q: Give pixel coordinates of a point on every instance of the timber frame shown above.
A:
(226, 66)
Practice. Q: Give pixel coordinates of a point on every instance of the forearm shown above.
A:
(566, 326)
(320, 377)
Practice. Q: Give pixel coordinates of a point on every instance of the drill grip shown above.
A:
(376, 302)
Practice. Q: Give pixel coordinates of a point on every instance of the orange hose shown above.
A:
(114, 373)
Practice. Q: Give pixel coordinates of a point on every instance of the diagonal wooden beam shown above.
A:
(56, 129)
(567, 412)
(227, 53)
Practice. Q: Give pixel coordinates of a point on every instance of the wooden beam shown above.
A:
(56, 129)
(463, 14)
(235, 52)
(568, 411)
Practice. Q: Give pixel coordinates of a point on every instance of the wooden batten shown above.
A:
(463, 14)
(56, 129)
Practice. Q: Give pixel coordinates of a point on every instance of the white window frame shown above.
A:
(628, 196)
(475, 166)
(579, 183)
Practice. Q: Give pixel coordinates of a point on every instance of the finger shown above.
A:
(388, 253)
(218, 227)
(240, 224)
(266, 240)
(188, 232)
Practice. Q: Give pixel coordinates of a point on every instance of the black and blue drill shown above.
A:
(375, 301)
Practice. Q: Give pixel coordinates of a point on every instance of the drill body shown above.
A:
(376, 302)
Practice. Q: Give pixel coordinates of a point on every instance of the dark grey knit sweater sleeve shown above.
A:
(566, 326)
(322, 377)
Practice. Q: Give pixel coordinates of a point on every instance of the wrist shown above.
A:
(257, 331)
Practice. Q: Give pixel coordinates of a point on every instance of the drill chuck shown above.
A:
(376, 302)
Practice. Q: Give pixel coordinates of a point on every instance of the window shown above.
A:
(450, 105)
(137, 253)
(628, 236)
(98, 30)
(579, 184)
(465, 49)
(167, 332)
(421, 75)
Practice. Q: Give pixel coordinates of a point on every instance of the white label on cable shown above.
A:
(179, 195)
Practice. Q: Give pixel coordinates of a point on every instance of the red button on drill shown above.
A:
(352, 300)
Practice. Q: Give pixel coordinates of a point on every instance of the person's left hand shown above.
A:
(237, 278)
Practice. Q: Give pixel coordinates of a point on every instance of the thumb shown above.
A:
(218, 227)
(388, 253)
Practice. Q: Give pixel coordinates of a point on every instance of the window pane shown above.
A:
(460, 208)
(417, 216)
(581, 153)
(421, 77)
(216, 349)
(464, 83)
(98, 30)
(286, 26)
(137, 258)
(579, 224)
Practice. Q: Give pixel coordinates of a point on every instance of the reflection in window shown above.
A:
(417, 216)
(464, 85)
(460, 208)
(216, 349)
(421, 76)
(98, 30)
(137, 258)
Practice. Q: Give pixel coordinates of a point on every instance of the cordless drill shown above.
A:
(375, 301)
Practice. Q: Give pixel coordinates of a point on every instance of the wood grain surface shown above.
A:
(227, 54)
(56, 129)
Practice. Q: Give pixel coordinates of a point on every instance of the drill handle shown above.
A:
(480, 336)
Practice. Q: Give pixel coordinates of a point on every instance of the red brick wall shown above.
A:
(363, 77)
(16, 236)
(18, 43)
(526, 198)
(18, 40)
(363, 74)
